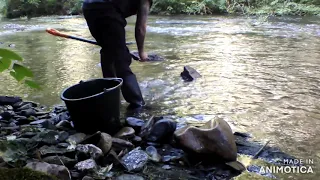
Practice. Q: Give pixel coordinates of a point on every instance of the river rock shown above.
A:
(87, 178)
(125, 133)
(44, 123)
(105, 142)
(60, 160)
(56, 170)
(27, 112)
(137, 140)
(135, 123)
(101, 140)
(76, 138)
(162, 131)
(189, 74)
(147, 127)
(129, 177)
(51, 137)
(151, 56)
(88, 151)
(7, 115)
(88, 165)
(166, 167)
(64, 125)
(135, 160)
(53, 150)
(120, 144)
(153, 154)
(212, 140)
(9, 100)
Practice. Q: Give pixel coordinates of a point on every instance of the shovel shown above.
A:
(60, 34)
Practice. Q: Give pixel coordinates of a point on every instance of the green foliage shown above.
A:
(32, 8)
(9, 62)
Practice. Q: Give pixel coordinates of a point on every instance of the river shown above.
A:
(261, 74)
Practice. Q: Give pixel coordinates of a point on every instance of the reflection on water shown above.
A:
(264, 76)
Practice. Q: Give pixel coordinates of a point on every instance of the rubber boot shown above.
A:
(131, 92)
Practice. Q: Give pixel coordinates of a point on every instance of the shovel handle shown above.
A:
(56, 33)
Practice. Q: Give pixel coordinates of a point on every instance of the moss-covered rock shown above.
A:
(23, 174)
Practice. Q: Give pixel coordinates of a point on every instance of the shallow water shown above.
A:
(261, 74)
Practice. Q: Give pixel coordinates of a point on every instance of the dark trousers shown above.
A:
(107, 26)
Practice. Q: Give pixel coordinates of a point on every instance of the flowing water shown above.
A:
(261, 74)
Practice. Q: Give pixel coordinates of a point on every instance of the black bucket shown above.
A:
(94, 105)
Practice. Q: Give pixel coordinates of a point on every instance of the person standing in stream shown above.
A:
(106, 20)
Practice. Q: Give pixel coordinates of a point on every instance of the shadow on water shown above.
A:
(261, 75)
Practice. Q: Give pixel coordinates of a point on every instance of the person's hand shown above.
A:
(143, 56)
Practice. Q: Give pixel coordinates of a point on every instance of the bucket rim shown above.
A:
(98, 94)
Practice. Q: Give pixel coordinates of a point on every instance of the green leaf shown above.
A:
(18, 77)
(32, 84)
(5, 53)
(5, 62)
(21, 70)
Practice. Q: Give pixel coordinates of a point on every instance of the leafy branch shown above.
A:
(9, 61)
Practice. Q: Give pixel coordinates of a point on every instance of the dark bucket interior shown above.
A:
(94, 105)
(90, 88)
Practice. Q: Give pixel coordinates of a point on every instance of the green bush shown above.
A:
(10, 61)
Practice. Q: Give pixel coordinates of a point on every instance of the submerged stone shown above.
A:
(125, 133)
(135, 123)
(189, 74)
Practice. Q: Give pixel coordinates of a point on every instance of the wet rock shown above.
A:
(7, 115)
(60, 117)
(59, 171)
(102, 140)
(63, 145)
(147, 127)
(168, 158)
(105, 142)
(88, 165)
(76, 138)
(242, 134)
(236, 165)
(120, 144)
(189, 74)
(135, 123)
(112, 158)
(87, 178)
(53, 150)
(44, 123)
(162, 131)
(51, 137)
(212, 140)
(153, 154)
(9, 100)
(151, 56)
(129, 177)
(27, 112)
(88, 151)
(135, 160)
(75, 174)
(64, 125)
(166, 167)
(257, 169)
(125, 133)
(28, 135)
(11, 45)
(137, 140)
(60, 160)
(21, 120)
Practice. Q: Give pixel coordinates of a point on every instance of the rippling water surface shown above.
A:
(261, 75)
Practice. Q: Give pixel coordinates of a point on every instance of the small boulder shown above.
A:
(88, 151)
(9, 100)
(44, 123)
(60, 160)
(153, 154)
(162, 131)
(76, 138)
(101, 140)
(51, 137)
(189, 74)
(88, 165)
(212, 140)
(135, 123)
(56, 170)
(120, 144)
(135, 160)
(125, 133)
